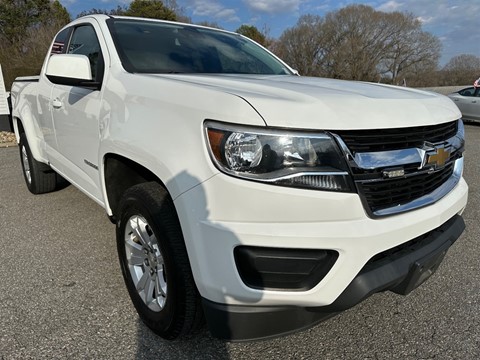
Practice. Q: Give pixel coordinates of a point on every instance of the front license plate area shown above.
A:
(420, 271)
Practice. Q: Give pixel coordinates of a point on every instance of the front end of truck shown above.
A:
(299, 225)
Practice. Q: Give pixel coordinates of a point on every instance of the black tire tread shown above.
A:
(44, 179)
(159, 202)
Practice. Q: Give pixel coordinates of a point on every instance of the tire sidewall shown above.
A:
(24, 144)
(163, 320)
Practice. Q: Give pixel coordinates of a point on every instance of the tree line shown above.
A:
(27, 28)
(360, 43)
(356, 42)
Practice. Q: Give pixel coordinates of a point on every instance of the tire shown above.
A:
(155, 264)
(39, 177)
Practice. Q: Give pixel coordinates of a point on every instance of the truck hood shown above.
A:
(318, 103)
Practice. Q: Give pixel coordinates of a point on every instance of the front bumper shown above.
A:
(224, 213)
(399, 270)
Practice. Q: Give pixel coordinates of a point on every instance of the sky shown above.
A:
(454, 22)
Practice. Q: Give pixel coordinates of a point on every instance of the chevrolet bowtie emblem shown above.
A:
(439, 158)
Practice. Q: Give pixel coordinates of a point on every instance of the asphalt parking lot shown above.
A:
(62, 295)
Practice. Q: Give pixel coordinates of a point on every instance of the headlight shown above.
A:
(280, 157)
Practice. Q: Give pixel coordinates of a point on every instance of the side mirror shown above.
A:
(71, 70)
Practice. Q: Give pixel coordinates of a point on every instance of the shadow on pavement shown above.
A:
(198, 346)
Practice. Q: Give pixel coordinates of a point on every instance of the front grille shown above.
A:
(393, 139)
(384, 196)
(388, 193)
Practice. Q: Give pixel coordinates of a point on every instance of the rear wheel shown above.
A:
(39, 177)
(154, 262)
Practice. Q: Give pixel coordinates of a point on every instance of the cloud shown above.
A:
(94, 3)
(274, 6)
(390, 6)
(213, 9)
(425, 19)
(117, 2)
(228, 15)
(124, 2)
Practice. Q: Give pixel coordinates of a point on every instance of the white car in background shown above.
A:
(468, 101)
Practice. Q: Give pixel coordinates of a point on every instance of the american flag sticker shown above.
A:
(57, 47)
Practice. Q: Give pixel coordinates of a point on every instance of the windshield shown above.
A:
(156, 47)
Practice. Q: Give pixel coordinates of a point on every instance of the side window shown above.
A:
(85, 42)
(467, 92)
(60, 43)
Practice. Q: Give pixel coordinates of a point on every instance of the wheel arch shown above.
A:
(120, 174)
(18, 128)
(26, 127)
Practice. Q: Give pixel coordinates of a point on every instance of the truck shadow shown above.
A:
(197, 346)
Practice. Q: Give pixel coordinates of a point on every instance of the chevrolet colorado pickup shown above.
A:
(243, 194)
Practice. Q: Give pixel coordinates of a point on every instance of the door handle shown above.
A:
(474, 101)
(57, 104)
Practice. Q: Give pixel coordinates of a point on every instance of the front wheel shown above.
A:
(154, 262)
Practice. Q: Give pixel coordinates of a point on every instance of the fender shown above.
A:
(30, 130)
(23, 118)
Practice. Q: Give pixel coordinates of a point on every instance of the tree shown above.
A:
(366, 44)
(253, 33)
(302, 45)
(412, 53)
(17, 16)
(27, 28)
(211, 24)
(60, 14)
(178, 10)
(163, 10)
(359, 43)
(463, 69)
(154, 9)
(354, 39)
(118, 11)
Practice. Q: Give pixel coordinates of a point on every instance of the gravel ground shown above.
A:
(7, 138)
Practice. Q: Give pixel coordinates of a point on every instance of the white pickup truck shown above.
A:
(241, 192)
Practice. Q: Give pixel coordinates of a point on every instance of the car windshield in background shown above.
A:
(155, 47)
